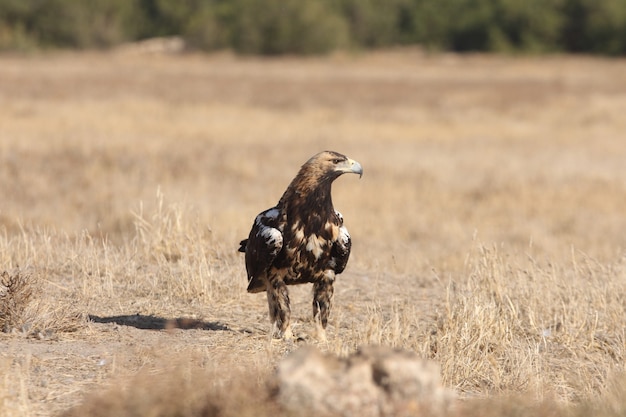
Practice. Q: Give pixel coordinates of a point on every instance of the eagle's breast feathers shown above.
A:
(284, 250)
(301, 239)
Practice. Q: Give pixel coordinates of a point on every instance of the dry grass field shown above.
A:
(489, 228)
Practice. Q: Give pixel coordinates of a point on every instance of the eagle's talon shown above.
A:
(288, 334)
(277, 334)
(320, 332)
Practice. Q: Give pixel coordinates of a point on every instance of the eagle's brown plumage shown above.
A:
(302, 239)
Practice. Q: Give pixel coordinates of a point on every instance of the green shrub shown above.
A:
(597, 26)
(67, 23)
(531, 25)
(376, 23)
(318, 26)
(285, 26)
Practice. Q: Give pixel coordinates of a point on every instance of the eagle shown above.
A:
(301, 240)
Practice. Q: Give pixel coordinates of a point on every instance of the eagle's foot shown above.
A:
(277, 333)
(320, 332)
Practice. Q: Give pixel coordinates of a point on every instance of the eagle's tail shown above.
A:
(243, 244)
(256, 285)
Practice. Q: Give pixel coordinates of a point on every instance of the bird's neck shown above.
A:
(307, 195)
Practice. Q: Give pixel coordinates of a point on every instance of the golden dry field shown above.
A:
(489, 228)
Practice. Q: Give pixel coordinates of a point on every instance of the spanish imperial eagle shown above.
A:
(301, 240)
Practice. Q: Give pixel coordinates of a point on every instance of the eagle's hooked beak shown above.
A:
(352, 166)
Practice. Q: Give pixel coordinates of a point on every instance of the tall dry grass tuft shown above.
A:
(171, 259)
(188, 262)
(397, 325)
(16, 290)
(542, 329)
(25, 309)
(37, 300)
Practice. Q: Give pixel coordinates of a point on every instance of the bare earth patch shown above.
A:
(488, 228)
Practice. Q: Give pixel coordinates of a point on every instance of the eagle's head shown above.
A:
(311, 187)
(328, 165)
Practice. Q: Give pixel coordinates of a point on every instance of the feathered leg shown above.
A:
(280, 311)
(322, 297)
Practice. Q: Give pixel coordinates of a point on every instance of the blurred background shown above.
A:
(296, 27)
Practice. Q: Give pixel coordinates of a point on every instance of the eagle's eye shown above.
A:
(336, 160)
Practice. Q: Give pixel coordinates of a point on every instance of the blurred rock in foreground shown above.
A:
(374, 381)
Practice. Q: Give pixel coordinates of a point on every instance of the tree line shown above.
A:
(272, 27)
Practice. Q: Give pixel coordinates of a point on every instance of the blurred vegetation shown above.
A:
(318, 26)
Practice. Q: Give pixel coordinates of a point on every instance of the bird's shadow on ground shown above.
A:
(144, 322)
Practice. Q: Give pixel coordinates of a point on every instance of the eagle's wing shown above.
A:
(263, 244)
(340, 251)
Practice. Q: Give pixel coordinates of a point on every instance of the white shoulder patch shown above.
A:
(272, 236)
(344, 236)
(340, 216)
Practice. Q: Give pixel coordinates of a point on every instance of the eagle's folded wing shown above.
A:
(341, 251)
(262, 246)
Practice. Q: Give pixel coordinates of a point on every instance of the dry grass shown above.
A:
(182, 390)
(16, 291)
(25, 308)
(487, 229)
(522, 328)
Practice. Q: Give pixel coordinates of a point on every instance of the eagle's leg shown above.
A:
(322, 298)
(280, 311)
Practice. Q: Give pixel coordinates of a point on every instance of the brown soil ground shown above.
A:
(522, 156)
